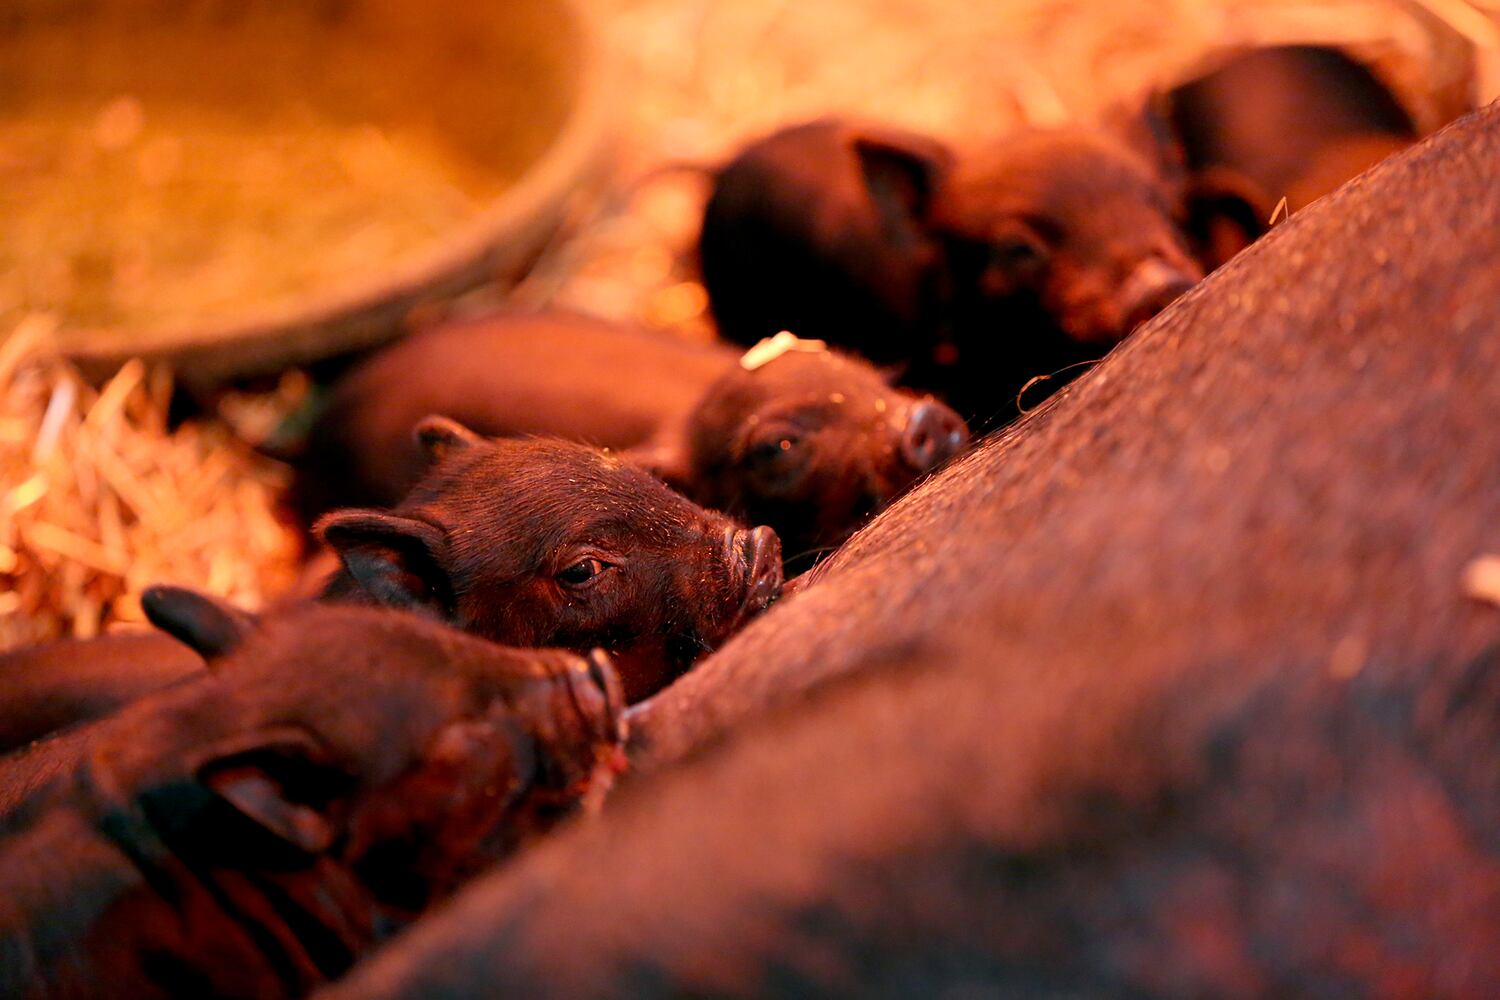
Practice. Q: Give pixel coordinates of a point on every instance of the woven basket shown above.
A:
(515, 89)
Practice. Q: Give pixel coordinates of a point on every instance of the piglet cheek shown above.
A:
(1081, 302)
(514, 621)
(451, 810)
(996, 283)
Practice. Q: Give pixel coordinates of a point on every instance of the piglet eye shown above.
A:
(773, 450)
(581, 572)
(1016, 253)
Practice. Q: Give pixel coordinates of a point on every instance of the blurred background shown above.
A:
(207, 208)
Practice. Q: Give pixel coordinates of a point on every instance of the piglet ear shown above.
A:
(1144, 125)
(1224, 212)
(440, 437)
(209, 626)
(283, 781)
(399, 561)
(902, 171)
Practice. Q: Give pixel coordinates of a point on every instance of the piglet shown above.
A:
(807, 441)
(1288, 121)
(1059, 243)
(541, 542)
(824, 228)
(1026, 257)
(49, 686)
(255, 831)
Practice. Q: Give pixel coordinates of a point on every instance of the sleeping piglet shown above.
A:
(541, 542)
(254, 831)
(807, 441)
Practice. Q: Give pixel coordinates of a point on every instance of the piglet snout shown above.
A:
(756, 554)
(601, 696)
(1151, 287)
(933, 434)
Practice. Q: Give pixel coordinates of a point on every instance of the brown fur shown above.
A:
(1292, 121)
(253, 831)
(46, 687)
(973, 272)
(486, 540)
(813, 444)
(686, 412)
(822, 229)
(1059, 241)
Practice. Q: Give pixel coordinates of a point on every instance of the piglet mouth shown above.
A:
(599, 697)
(754, 557)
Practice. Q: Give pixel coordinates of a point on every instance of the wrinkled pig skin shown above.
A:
(252, 832)
(1292, 121)
(1173, 690)
(690, 413)
(539, 542)
(975, 272)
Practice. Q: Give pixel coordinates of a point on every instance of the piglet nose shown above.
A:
(1151, 287)
(933, 434)
(758, 553)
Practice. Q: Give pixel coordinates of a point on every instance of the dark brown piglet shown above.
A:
(557, 374)
(253, 832)
(53, 686)
(974, 272)
(540, 542)
(810, 441)
(1059, 243)
(47, 687)
(803, 440)
(822, 229)
(1185, 687)
(1292, 121)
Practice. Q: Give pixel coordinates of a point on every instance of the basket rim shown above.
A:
(507, 230)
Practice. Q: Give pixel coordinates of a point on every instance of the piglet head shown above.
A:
(1065, 227)
(339, 768)
(813, 442)
(822, 224)
(539, 542)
